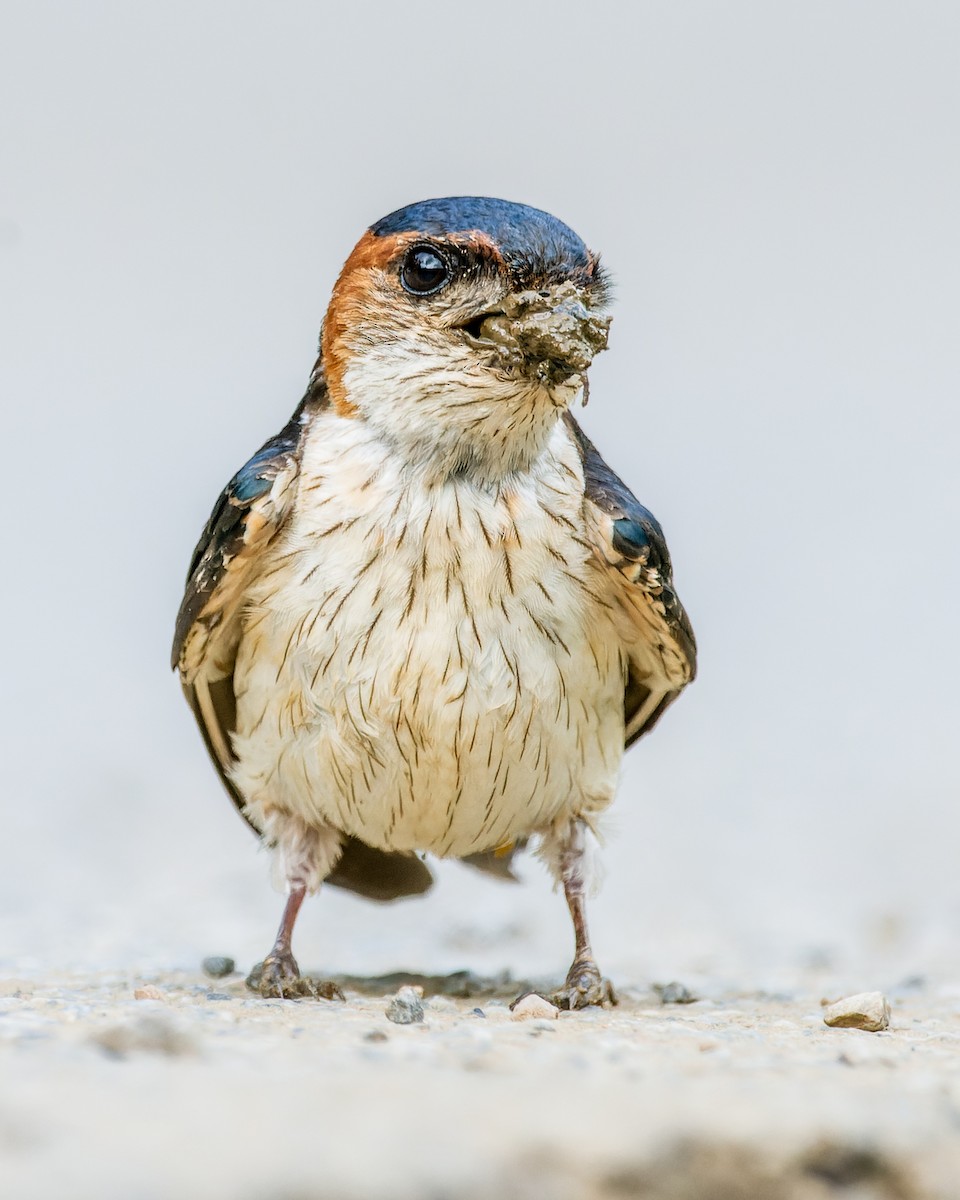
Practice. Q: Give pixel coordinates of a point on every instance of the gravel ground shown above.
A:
(200, 1089)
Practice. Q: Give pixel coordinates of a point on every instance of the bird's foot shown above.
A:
(278, 978)
(585, 987)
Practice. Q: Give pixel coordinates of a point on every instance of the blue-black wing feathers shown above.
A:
(223, 534)
(633, 545)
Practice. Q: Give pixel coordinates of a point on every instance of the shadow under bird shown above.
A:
(427, 617)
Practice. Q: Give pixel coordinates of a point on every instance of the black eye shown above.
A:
(424, 271)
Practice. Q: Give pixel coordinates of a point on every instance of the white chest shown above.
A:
(429, 667)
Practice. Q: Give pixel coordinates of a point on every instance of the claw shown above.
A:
(326, 989)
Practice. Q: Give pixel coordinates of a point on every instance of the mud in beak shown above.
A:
(550, 335)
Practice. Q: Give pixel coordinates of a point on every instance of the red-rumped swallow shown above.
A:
(427, 617)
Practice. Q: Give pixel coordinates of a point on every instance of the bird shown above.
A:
(426, 619)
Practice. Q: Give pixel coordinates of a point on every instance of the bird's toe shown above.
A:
(325, 989)
(278, 978)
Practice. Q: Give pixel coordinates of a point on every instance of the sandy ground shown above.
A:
(207, 1091)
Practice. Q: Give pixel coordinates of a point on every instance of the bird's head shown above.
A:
(461, 329)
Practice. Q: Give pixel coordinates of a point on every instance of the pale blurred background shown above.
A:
(776, 189)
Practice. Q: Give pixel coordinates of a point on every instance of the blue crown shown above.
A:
(523, 235)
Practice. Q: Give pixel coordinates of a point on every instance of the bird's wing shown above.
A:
(247, 516)
(627, 538)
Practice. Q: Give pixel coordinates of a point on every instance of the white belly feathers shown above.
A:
(428, 667)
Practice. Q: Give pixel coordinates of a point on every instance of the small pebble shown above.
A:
(533, 1007)
(148, 992)
(674, 993)
(217, 996)
(375, 1035)
(218, 965)
(865, 1010)
(406, 1007)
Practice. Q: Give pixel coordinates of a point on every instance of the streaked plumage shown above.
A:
(426, 616)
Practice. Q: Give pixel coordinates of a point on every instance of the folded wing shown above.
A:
(658, 638)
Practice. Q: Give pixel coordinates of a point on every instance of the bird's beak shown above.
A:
(550, 334)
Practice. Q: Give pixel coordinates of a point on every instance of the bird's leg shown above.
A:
(279, 974)
(305, 856)
(584, 984)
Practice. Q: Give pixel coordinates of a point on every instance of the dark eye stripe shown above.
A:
(424, 271)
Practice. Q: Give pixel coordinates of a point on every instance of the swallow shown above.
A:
(426, 618)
